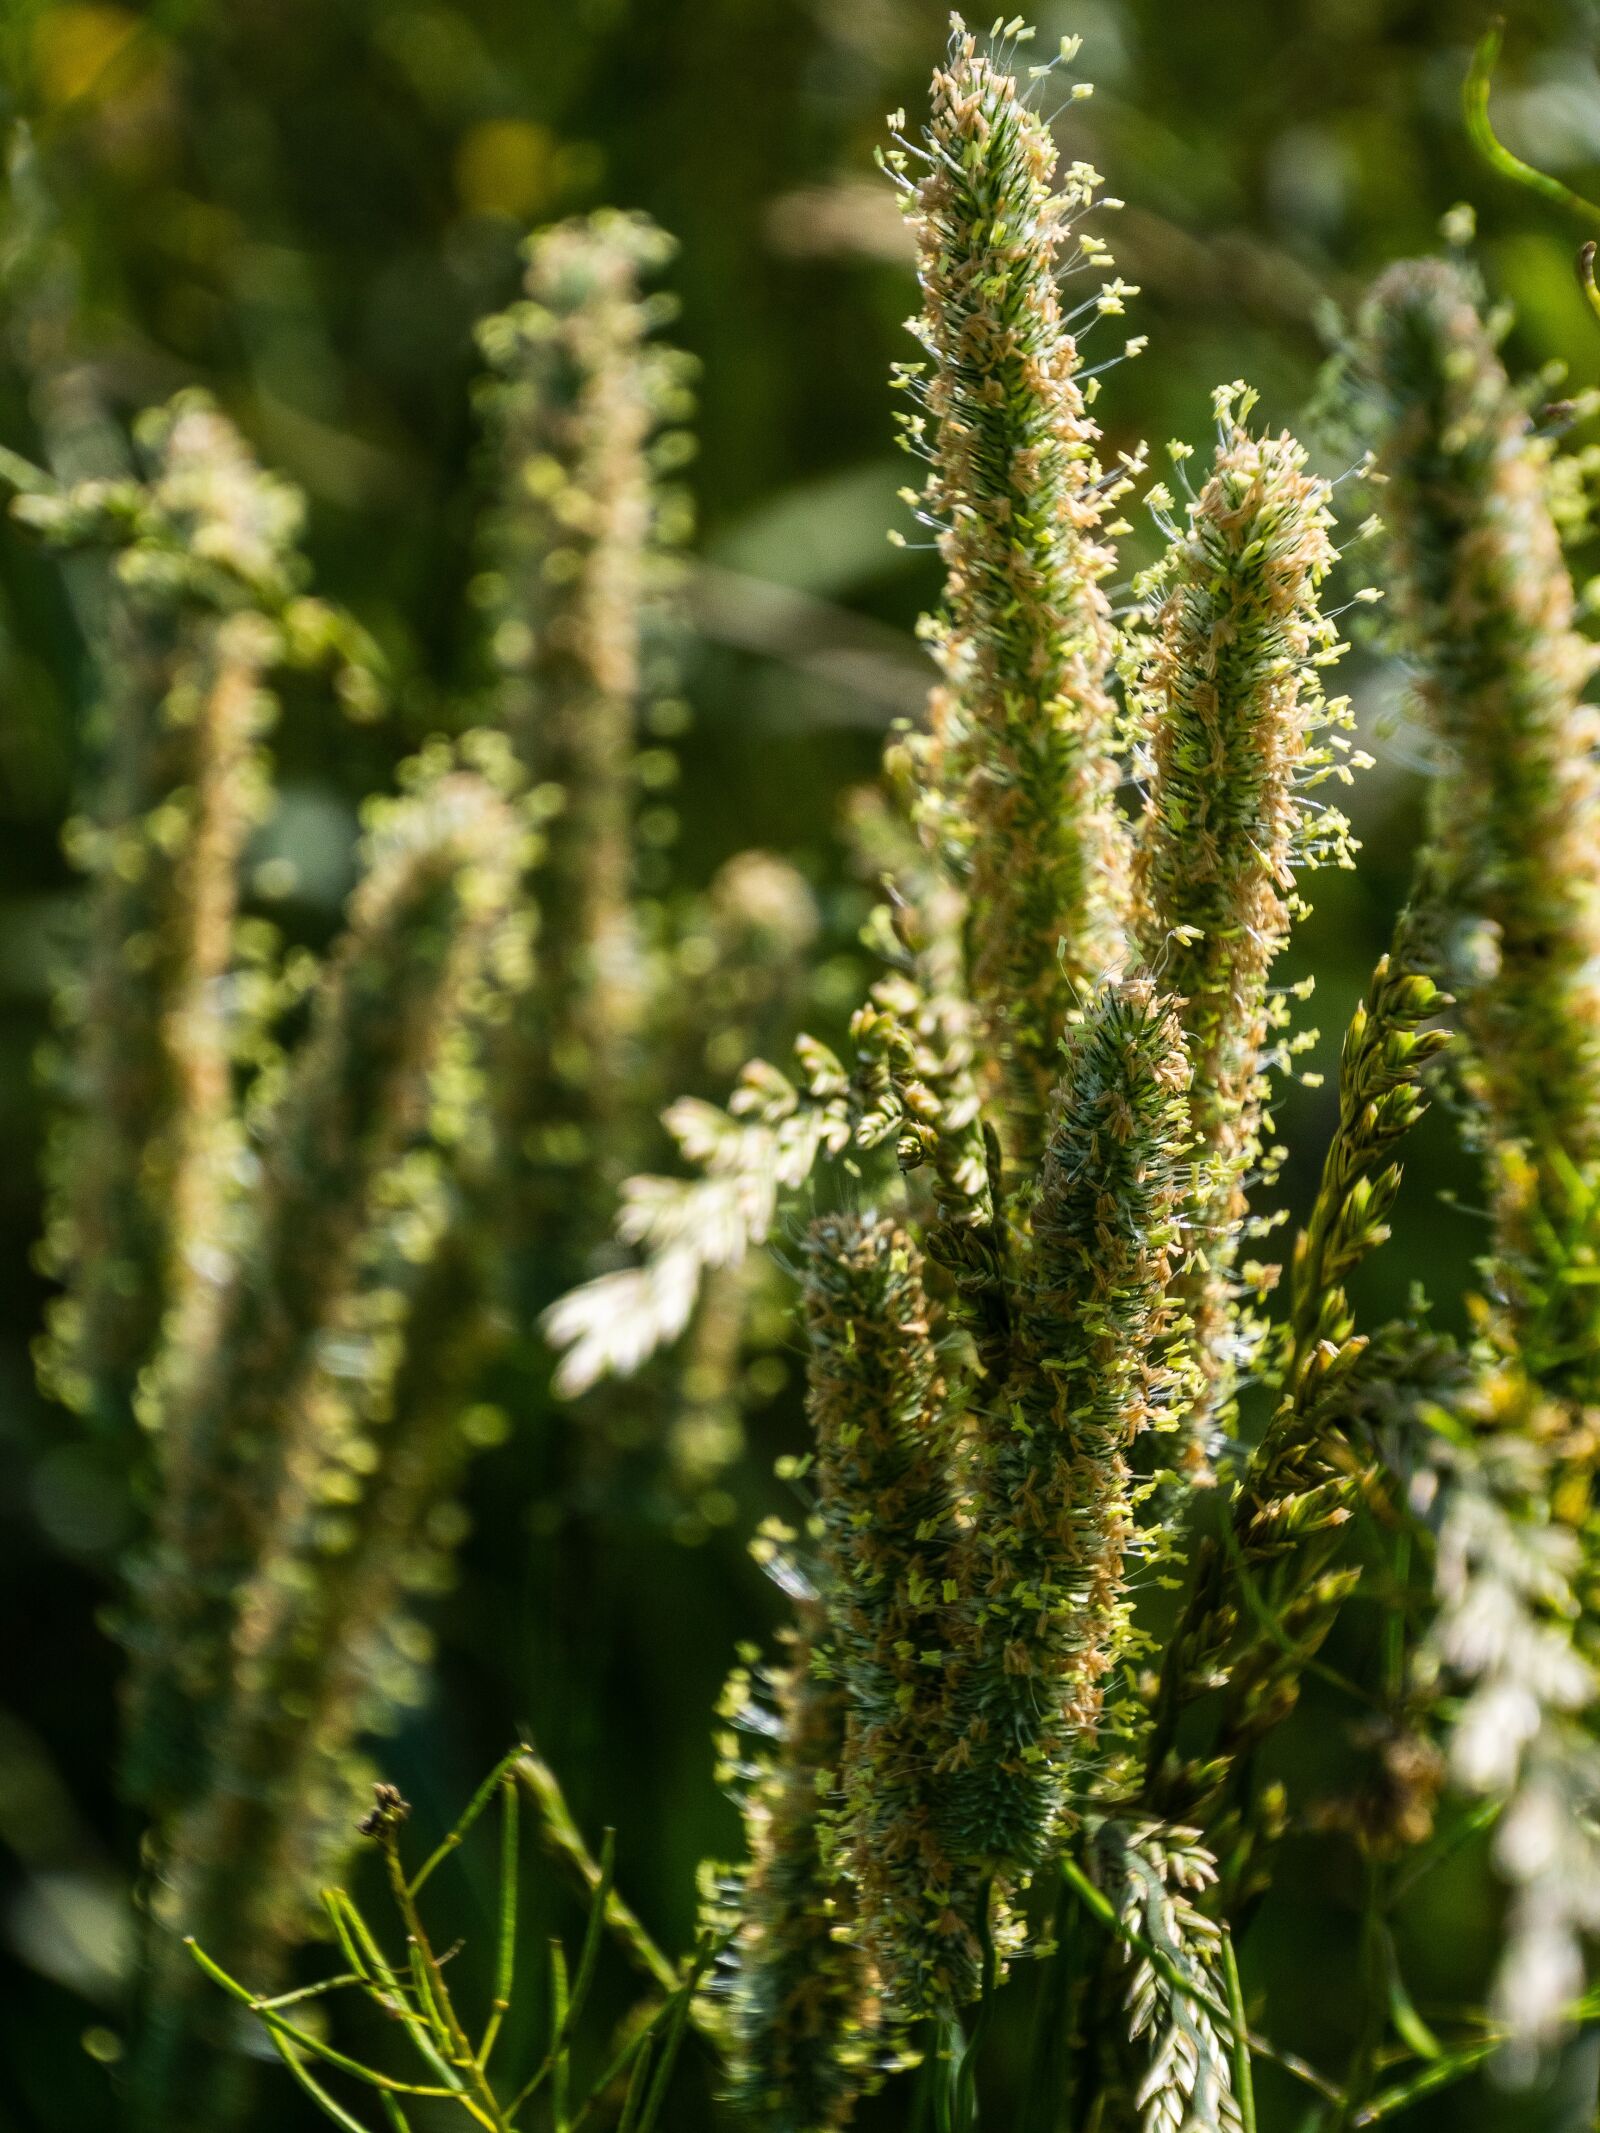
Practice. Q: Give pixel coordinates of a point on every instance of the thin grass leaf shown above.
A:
(560, 2007)
(639, 2041)
(1475, 110)
(385, 1987)
(479, 1801)
(312, 1992)
(1244, 2087)
(1442, 2074)
(672, 2042)
(303, 2039)
(561, 1833)
(628, 2123)
(506, 1953)
(314, 2089)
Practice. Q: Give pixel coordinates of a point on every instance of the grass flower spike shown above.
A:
(1225, 673)
(1021, 770)
(577, 405)
(202, 557)
(1486, 605)
(887, 1479)
(805, 2015)
(271, 1435)
(1090, 1373)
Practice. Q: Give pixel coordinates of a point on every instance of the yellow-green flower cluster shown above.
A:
(887, 1480)
(1053, 1515)
(203, 556)
(1020, 769)
(248, 1670)
(298, 1469)
(576, 407)
(257, 1422)
(1225, 676)
(1486, 605)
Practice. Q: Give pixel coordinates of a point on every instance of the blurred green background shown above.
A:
(305, 204)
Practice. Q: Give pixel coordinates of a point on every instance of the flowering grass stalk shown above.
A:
(201, 556)
(805, 2015)
(887, 1468)
(1268, 1592)
(1226, 675)
(271, 1435)
(1067, 1051)
(1054, 1486)
(255, 1424)
(1486, 605)
(1021, 772)
(577, 406)
(1488, 613)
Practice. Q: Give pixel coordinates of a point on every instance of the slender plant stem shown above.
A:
(431, 1976)
(964, 2111)
(562, 1835)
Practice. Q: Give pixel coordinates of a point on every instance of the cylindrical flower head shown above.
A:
(253, 1424)
(805, 2017)
(205, 553)
(1487, 608)
(1053, 1519)
(577, 547)
(1226, 679)
(886, 1477)
(1021, 761)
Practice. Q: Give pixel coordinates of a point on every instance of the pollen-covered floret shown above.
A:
(1044, 1572)
(1224, 672)
(887, 1479)
(1019, 768)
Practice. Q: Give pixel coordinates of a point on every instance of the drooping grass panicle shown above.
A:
(1486, 607)
(806, 2022)
(765, 1143)
(887, 1464)
(1053, 1516)
(581, 406)
(257, 1425)
(1392, 1036)
(1020, 768)
(1225, 676)
(909, 1082)
(1265, 1595)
